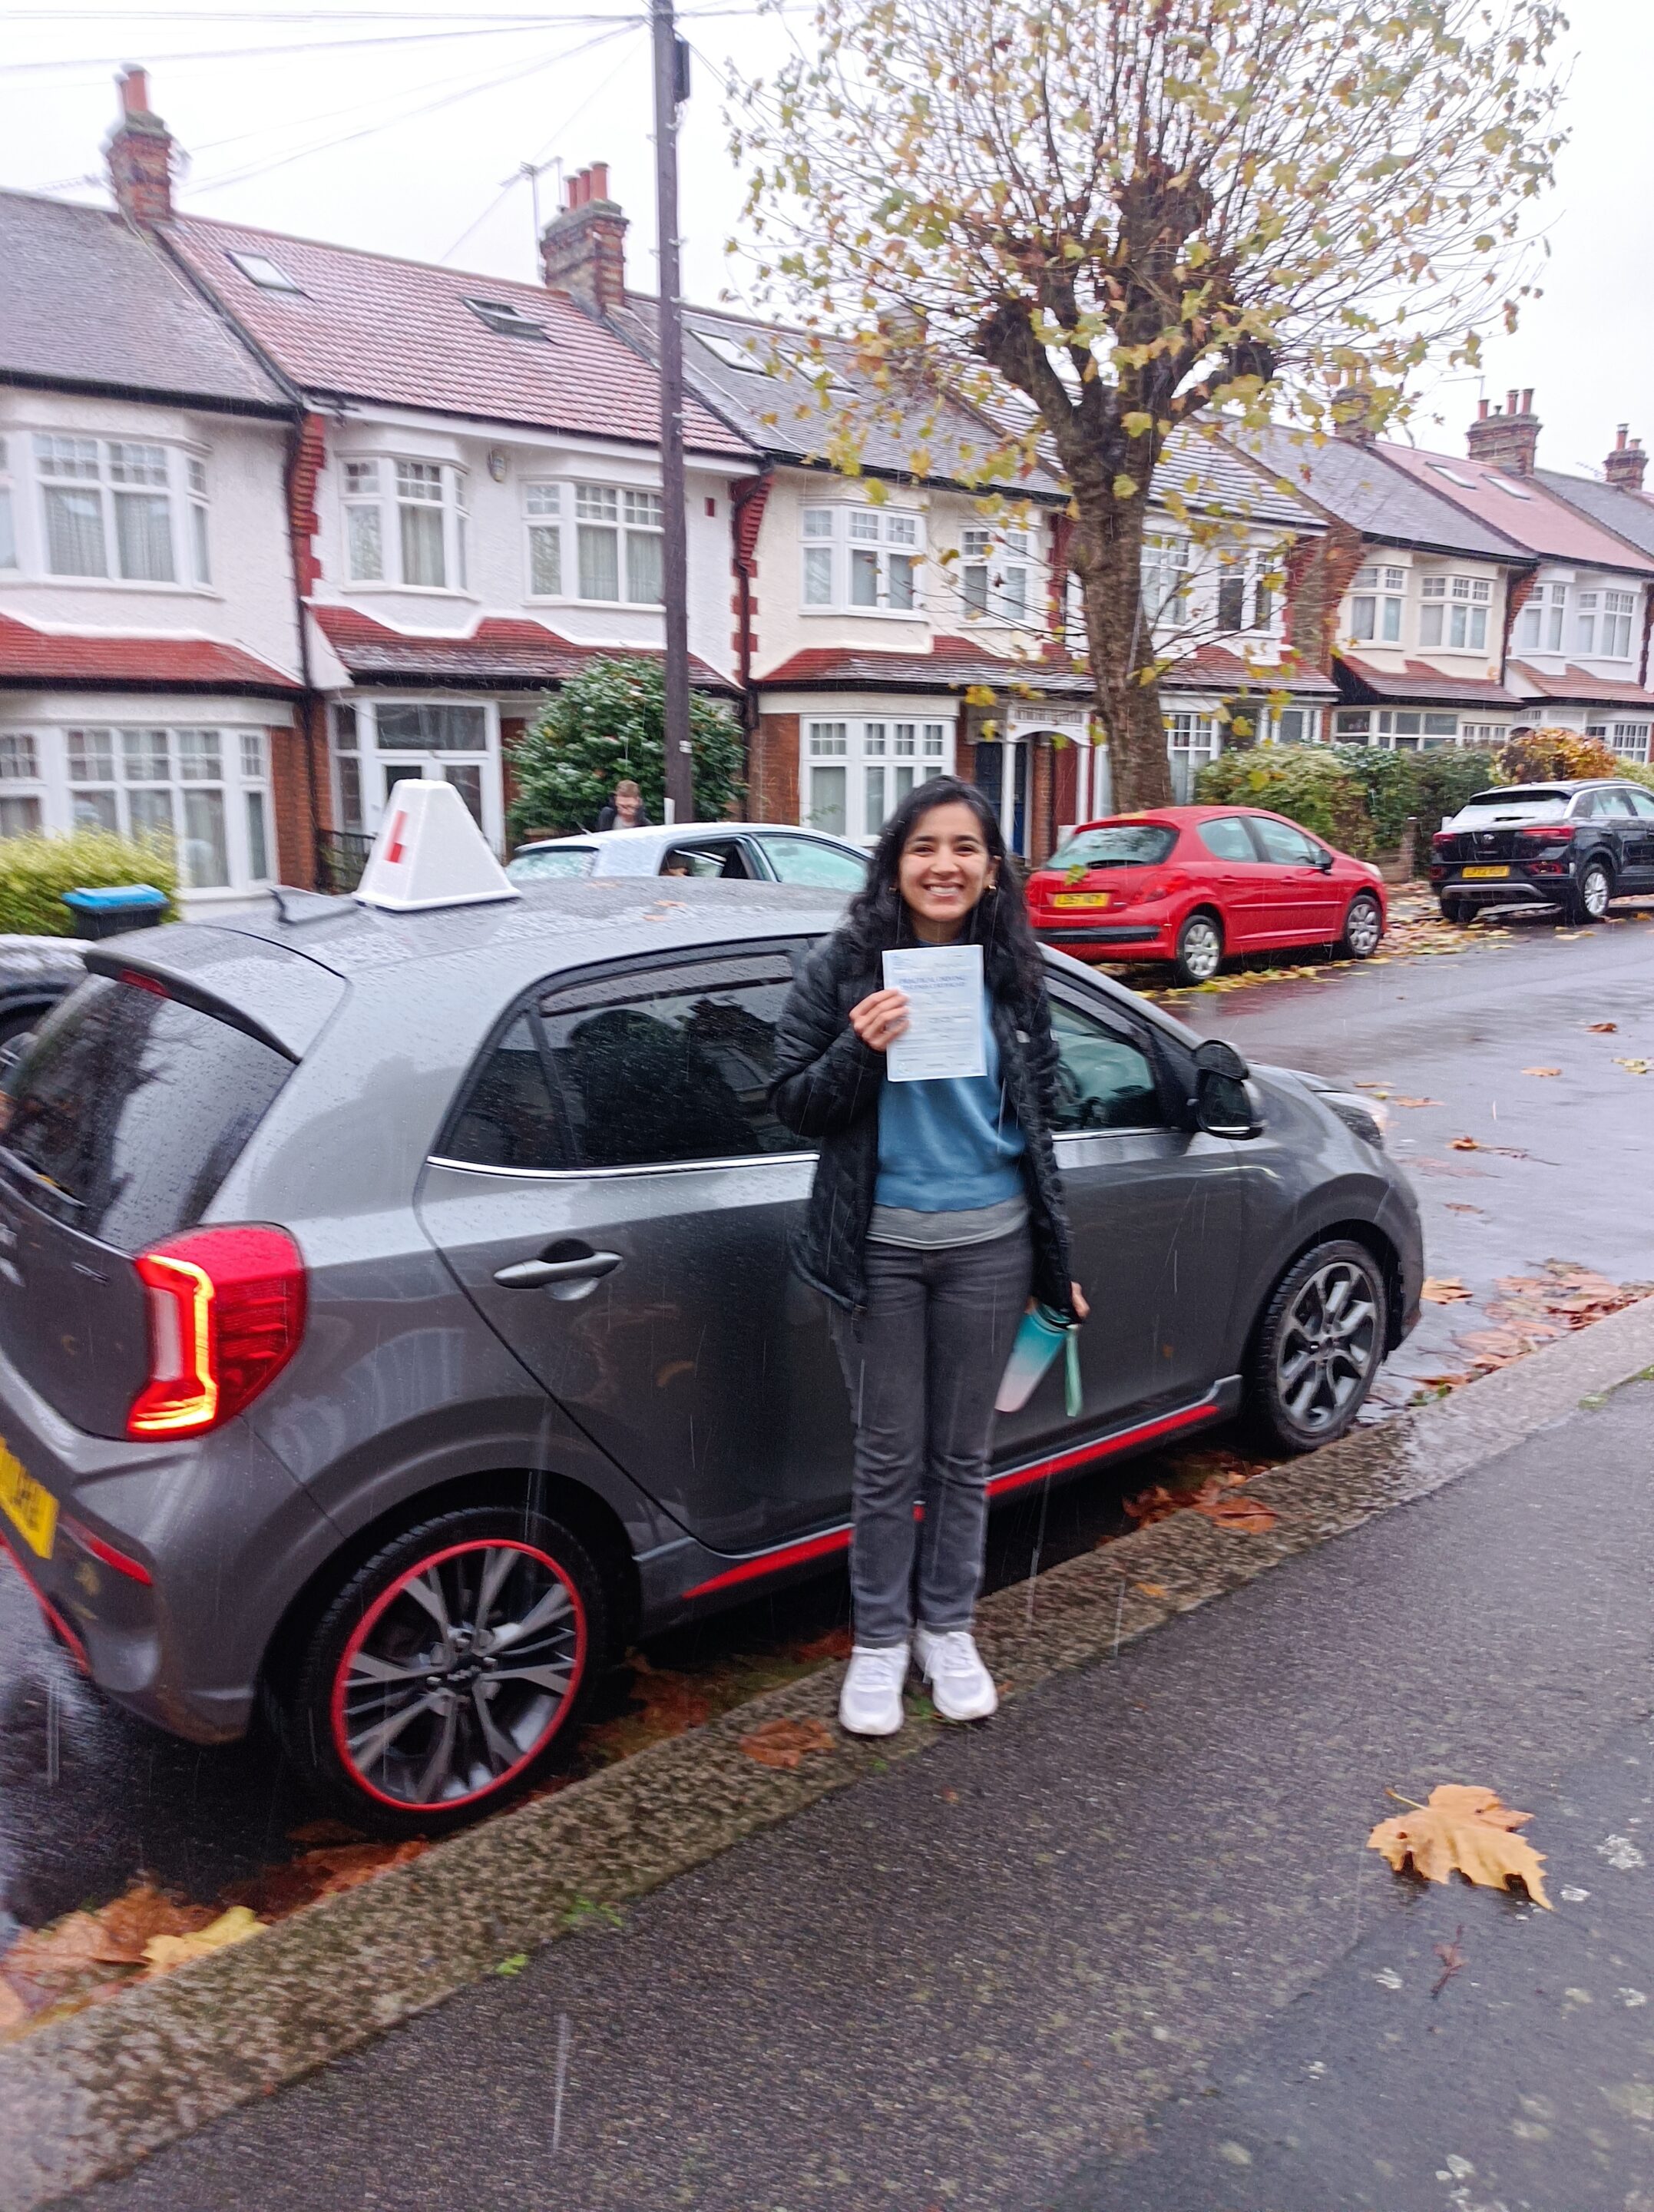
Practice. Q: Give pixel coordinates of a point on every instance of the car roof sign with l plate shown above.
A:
(429, 852)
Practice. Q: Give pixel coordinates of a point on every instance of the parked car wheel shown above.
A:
(436, 1684)
(1364, 928)
(1318, 1346)
(1591, 893)
(1458, 911)
(1200, 948)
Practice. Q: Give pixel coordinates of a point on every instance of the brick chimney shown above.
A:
(582, 249)
(1351, 409)
(1508, 440)
(1625, 464)
(140, 153)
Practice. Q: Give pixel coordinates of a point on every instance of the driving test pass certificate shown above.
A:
(943, 985)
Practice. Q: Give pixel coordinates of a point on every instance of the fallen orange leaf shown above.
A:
(1415, 1101)
(784, 1743)
(1463, 1830)
(1602, 1028)
(1541, 1071)
(1443, 1291)
(162, 1952)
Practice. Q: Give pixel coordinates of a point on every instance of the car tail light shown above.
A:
(227, 1311)
(1553, 833)
(1444, 837)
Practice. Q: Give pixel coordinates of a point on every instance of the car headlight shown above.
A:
(1367, 1117)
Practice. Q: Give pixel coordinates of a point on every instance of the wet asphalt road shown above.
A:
(88, 1797)
(1124, 1950)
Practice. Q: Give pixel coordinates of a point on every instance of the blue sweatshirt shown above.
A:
(950, 1146)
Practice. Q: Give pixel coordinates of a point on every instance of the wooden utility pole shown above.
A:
(670, 87)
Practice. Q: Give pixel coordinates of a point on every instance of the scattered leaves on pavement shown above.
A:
(1453, 1961)
(1602, 1028)
(1632, 1066)
(1462, 1206)
(276, 1891)
(1476, 1145)
(1216, 1498)
(1534, 1309)
(162, 1952)
(1415, 1101)
(784, 1743)
(1443, 1291)
(1463, 1829)
(1541, 1071)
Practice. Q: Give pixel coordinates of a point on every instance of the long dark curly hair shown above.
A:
(878, 919)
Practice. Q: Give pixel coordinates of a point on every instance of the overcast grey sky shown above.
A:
(403, 139)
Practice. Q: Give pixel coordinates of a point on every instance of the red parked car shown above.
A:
(1193, 885)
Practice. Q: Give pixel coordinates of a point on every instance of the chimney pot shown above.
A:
(1619, 438)
(1481, 410)
(1507, 440)
(583, 249)
(1625, 464)
(140, 153)
(1527, 399)
(1510, 403)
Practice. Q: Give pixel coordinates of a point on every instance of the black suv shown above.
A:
(1573, 845)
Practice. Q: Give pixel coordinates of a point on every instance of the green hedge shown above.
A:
(36, 871)
(1356, 796)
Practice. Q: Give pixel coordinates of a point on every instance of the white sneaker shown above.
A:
(961, 1688)
(870, 1703)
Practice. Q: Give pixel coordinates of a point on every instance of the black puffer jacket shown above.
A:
(826, 1088)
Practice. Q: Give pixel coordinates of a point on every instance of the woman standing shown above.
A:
(936, 1208)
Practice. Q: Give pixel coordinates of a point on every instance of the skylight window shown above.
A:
(1465, 483)
(259, 269)
(507, 322)
(732, 353)
(1514, 490)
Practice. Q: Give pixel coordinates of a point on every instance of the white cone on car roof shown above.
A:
(429, 852)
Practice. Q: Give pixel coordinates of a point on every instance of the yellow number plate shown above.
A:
(32, 1510)
(1080, 898)
(1482, 875)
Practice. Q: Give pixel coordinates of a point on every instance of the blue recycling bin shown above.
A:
(112, 913)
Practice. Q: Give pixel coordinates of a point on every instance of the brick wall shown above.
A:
(772, 769)
(301, 790)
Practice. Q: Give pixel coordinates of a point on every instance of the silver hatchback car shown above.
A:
(395, 1319)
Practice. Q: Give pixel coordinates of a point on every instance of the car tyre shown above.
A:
(1200, 947)
(1591, 893)
(1460, 912)
(1318, 1347)
(398, 1711)
(1363, 927)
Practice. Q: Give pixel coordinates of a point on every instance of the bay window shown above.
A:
(203, 793)
(418, 507)
(405, 522)
(1541, 627)
(364, 538)
(856, 774)
(616, 553)
(1456, 613)
(20, 781)
(867, 562)
(200, 548)
(1614, 625)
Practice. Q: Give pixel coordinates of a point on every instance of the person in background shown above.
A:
(625, 810)
(935, 1206)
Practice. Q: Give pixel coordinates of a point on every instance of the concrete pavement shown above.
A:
(1087, 1956)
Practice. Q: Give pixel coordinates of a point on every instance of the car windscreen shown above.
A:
(1116, 845)
(555, 860)
(1489, 809)
(131, 1108)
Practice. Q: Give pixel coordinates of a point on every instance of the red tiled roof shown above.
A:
(1421, 682)
(953, 664)
(1215, 668)
(400, 331)
(30, 657)
(497, 653)
(1576, 683)
(1529, 516)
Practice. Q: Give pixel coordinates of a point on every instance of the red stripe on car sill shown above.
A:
(53, 1618)
(838, 1539)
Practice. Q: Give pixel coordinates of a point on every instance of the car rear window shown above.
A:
(1489, 807)
(1116, 845)
(567, 861)
(131, 1108)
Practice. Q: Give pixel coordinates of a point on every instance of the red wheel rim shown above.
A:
(458, 1675)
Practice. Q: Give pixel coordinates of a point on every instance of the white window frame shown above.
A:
(374, 490)
(1163, 575)
(230, 759)
(1454, 613)
(1192, 741)
(882, 757)
(996, 576)
(23, 784)
(109, 471)
(1618, 620)
(10, 550)
(846, 549)
(1377, 604)
(359, 755)
(1542, 625)
(1630, 740)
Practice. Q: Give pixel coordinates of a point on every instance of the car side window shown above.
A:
(673, 1064)
(1585, 807)
(1641, 804)
(554, 864)
(1226, 839)
(1104, 1081)
(802, 860)
(1283, 846)
(1613, 806)
(723, 859)
(509, 1119)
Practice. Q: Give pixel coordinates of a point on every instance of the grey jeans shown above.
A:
(923, 1369)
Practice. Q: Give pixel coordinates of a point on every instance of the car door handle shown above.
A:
(533, 1274)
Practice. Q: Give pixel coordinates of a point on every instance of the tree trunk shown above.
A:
(1107, 556)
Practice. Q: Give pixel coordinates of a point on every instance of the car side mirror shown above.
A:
(1324, 860)
(1222, 1105)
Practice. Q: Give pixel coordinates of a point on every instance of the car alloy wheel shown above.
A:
(1319, 1346)
(1595, 890)
(1200, 949)
(1364, 927)
(445, 1669)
